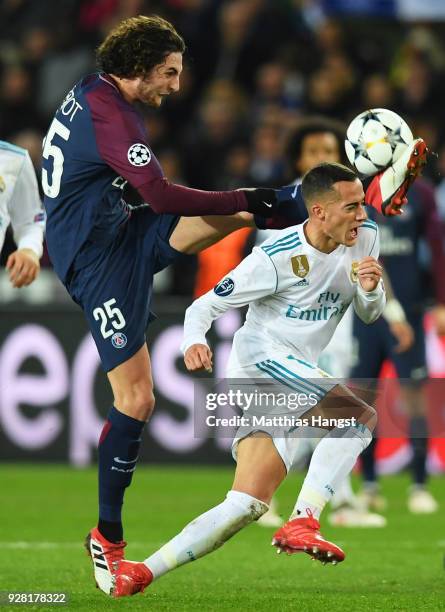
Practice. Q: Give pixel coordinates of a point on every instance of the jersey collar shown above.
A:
(315, 252)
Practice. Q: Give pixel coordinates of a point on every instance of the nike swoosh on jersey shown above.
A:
(268, 204)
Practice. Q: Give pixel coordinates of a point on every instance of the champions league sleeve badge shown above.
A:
(139, 154)
(224, 287)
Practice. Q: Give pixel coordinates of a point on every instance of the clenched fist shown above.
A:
(23, 266)
(198, 357)
(369, 273)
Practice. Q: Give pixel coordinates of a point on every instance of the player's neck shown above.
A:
(125, 86)
(318, 239)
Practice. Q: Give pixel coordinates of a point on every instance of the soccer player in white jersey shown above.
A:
(316, 140)
(21, 206)
(297, 288)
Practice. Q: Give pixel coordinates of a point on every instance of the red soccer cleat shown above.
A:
(131, 578)
(303, 535)
(387, 190)
(106, 557)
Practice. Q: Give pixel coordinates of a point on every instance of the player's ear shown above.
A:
(318, 211)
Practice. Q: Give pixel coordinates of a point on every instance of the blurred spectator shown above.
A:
(17, 102)
(267, 167)
(31, 140)
(376, 92)
(324, 96)
(253, 69)
(221, 124)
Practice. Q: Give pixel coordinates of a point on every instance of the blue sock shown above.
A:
(368, 462)
(118, 451)
(418, 434)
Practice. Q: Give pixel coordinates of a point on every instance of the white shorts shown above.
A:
(306, 385)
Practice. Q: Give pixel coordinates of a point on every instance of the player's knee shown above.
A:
(144, 405)
(369, 418)
(138, 403)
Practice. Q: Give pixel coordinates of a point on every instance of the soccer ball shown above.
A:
(375, 139)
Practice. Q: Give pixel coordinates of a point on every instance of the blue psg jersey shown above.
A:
(96, 143)
(400, 238)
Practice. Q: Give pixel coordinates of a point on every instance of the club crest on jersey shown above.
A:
(300, 265)
(118, 340)
(139, 154)
(354, 271)
(224, 287)
(2, 184)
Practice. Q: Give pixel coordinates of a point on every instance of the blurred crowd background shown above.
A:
(253, 70)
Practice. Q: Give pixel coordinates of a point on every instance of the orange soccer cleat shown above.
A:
(106, 557)
(131, 578)
(388, 189)
(303, 535)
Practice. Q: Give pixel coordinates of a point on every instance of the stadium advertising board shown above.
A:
(54, 395)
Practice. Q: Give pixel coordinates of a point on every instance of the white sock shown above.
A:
(344, 494)
(207, 532)
(333, 459)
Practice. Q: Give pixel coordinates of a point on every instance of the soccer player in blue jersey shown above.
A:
(114, 221)
(400, 244)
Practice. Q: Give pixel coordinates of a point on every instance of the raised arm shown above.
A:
(370, 298)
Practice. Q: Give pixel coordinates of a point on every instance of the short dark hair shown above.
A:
(314, 125)
(138, 44)
(320, 179)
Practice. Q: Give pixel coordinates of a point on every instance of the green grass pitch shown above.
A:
(46, 511)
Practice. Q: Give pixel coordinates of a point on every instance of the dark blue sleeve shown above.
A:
(291, 210)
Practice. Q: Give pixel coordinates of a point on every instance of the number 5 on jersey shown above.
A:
(109, 316)
(50, 150)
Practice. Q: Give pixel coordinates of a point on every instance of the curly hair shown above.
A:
(138, 44)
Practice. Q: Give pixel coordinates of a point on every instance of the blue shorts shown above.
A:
(376, 344)
(113, 284)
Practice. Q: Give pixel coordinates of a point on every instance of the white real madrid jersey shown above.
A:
(297, 295)
(20, 202)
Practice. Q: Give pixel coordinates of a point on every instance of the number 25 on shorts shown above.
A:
(110, 317)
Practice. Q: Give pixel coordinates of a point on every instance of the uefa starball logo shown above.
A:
(119, 340)
(139, 154)
(224, 287)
